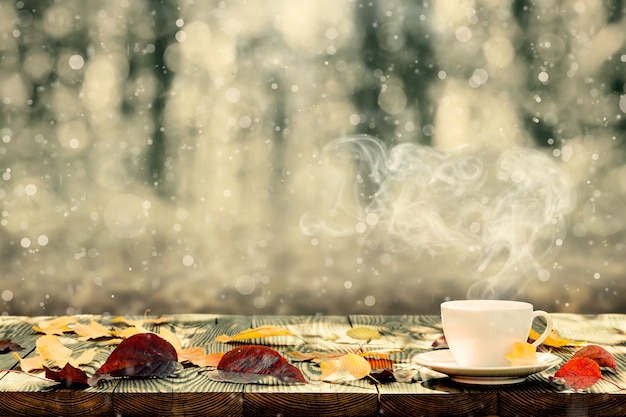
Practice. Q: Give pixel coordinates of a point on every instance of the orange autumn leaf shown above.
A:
(194, 355)
(259, 332)
(554, 340)
(523, 354)
(349, 367)
(198, 357)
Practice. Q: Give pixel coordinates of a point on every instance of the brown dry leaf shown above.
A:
(554, 340)
(349, 367)
(30, 364)
(58, 325)
(259, 332)
(523, 354)
(93, 330)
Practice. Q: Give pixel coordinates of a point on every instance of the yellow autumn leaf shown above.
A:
(349, 367)
(128, 332)
(30, 364)
(523, 354)
(259, 332)
(171, 337)
(364, 333)
(51, 349)
(85, 358)
(93, 330)
(58, 325)
(554, 340)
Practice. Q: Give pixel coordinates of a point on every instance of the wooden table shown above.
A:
(191, 392)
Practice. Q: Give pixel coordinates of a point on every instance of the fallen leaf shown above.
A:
(140, 356)
(57, 326)
(259, 332)
(34, 363)
(91, 331)
(598, 354)
(129, 332)
(7, 346)
(250, 364)
(198, 357)
(363, 333)
(553, 340)
(578, 373)
(171, 337)
(85, 358)
(440, 343)
(349, 367)
(68, 377)
(523, 354)
(52, 349)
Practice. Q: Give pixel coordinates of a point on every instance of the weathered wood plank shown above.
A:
(317, 399)
(180, 394)
(56, 403)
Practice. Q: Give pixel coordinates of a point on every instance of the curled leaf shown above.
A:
(248, 364)
(598, 354)
(140, 356)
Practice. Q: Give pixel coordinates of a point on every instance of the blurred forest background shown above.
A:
(161, 154)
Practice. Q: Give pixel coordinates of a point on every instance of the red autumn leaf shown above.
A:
(600, 355)
(440, 343)
(247, 364)
(69, 376)
(143, 355)
(6, 345)
(578, 373)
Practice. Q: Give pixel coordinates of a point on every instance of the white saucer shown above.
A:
(442, 361)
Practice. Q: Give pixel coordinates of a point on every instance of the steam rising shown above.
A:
(504, 213)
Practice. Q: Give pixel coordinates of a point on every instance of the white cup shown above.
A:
(480, 333)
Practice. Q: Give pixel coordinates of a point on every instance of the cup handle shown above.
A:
(547, 330)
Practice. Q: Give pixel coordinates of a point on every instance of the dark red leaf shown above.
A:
(578, 373)
(440, 343)
(600, 355)
(140, 356)
(6, 345)
(243, 362)
(69, 377)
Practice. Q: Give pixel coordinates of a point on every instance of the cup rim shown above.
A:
(478, 304)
